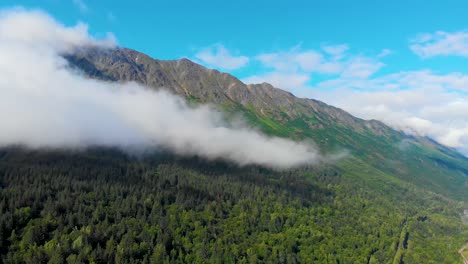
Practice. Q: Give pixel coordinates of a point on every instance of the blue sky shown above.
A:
(402, 62)
(174, 29)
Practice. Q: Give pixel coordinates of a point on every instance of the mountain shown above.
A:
(392, 198)
(413, 159)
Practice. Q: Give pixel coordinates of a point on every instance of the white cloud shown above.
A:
(43, 103)
(31, 27)
(361, 67)
(218, 56)
(441, 43)
(311, 61)
(314, 62)
(82, 6)
(337, 51)
(278, 61)
(294, 60)
(294, 68)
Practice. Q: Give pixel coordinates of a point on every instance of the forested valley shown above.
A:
(104, 206)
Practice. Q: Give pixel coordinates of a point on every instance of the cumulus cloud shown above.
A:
(220, 57)
(43, 103)
(441, 43)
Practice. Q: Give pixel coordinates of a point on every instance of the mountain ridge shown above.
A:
(413, 159)
(95, 63)
(133, 65)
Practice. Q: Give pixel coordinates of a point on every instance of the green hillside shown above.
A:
(418, 161)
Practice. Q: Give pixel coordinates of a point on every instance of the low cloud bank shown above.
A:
(417, 109)
(43, 103)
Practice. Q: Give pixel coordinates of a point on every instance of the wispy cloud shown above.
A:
(82, 6)
(440, 43)
(294, 68)
(220, 57)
